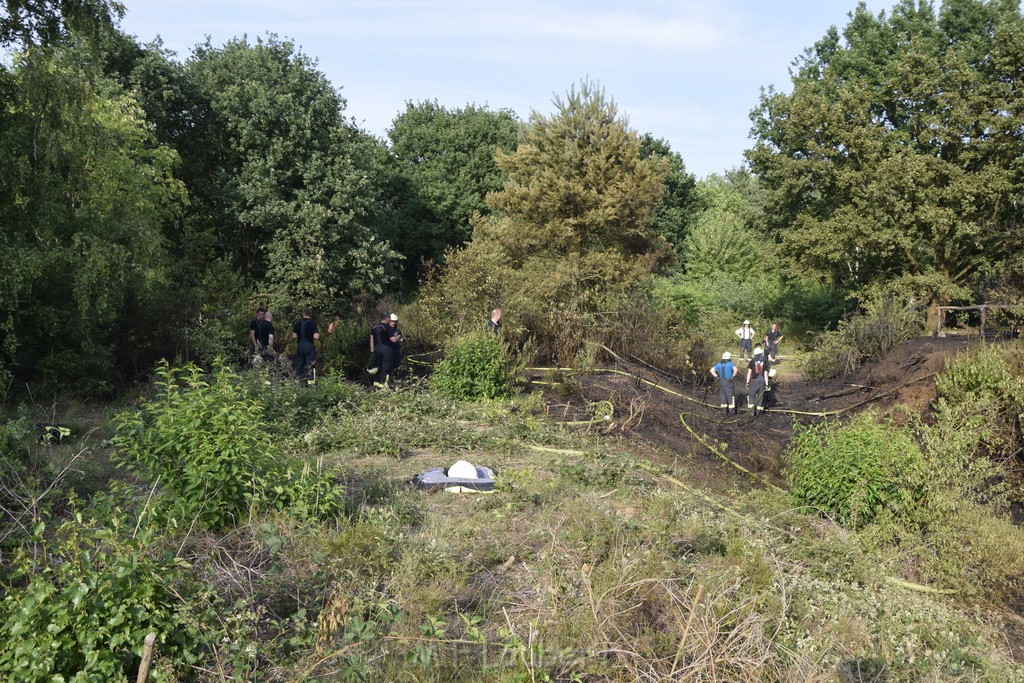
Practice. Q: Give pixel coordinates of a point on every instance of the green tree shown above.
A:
(672, 217)
(31, 23)
(285, 184)
(569, 232)
(895, 163)
(85, 192)
(721, 238)
(578, 185)
(447, 156)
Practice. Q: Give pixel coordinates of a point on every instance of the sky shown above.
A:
(688, 71)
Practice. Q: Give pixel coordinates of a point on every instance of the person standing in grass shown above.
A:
(307, 334)
(746, 335)
(377, 346)
(392, 339)
(266, 337)
(724, 371)
(255, 325)
(771, 341)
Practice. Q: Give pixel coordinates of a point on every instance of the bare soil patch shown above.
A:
(653, 404)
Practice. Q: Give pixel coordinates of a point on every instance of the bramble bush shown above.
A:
(204, 442)
(852, 471)
(477, 365)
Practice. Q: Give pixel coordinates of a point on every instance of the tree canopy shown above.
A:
(291, 203)
(86, 191)
(897, 159)
(447, 156)
(570, 228)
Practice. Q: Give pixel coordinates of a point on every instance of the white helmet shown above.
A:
(463, 470)
(758, 350)
(726, 356)
(746, 322)
(394, 317)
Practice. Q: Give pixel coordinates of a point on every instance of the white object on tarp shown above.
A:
(463, 470)
(462, 477)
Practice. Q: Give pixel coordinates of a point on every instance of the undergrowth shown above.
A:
(479, 365)
(589, 562)
(862, 337)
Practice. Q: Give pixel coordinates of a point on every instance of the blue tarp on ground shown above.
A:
(437, 478)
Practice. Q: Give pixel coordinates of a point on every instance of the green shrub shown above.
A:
(202, 441)
(852, 471)
(884, 324)
(990, 371)
(207, 445)
(289, 407)
(345, 351)
(957, 532)
(84, 610)
(476, 366)
(989, 380)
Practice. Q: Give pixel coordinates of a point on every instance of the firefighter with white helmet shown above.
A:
(746, 335)
(725, 372)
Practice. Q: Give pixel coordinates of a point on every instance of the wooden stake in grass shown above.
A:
(147, 657)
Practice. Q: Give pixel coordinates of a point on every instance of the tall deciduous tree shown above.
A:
(722, 238)
(447, 157)
(674, 213)
(288, 196)
(30, 23)
(84, 192)
(898, 159)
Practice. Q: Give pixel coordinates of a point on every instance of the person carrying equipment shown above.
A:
(746, 335)
(724, 371)
(757, 381)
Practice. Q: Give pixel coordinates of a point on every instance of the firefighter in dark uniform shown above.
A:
(757, 381)
(771, 342)
(307, 334)
(377, 346)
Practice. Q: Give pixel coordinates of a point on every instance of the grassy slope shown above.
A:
(596, 559)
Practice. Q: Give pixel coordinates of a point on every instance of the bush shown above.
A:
(884, 324)
(83, 614)
(851, 472)
(991, 372)
(206, 444)
(203, 442)
(345, 351)
(478, 365)
(989, 381)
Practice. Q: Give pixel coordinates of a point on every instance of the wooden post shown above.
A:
(147, 657)
(983, 309)
(941, 315)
